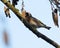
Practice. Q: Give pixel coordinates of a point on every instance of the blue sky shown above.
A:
(22, 37)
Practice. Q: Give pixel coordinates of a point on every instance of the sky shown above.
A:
(22, 37)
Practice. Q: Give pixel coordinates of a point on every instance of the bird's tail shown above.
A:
(44, 26)
(47, 27)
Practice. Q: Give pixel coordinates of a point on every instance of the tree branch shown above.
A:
(38, 34)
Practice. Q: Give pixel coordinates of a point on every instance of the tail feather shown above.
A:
(44, 27)
(48, 27)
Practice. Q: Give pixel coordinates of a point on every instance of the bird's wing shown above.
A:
(37, 22)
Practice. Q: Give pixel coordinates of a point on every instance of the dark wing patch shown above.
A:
(14, 2)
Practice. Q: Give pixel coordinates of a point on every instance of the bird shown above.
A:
(14, 2)
(55, 17)
(33, 21)
(7, 12)
(5, 37)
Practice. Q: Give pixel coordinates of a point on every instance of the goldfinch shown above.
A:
(35, 22)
